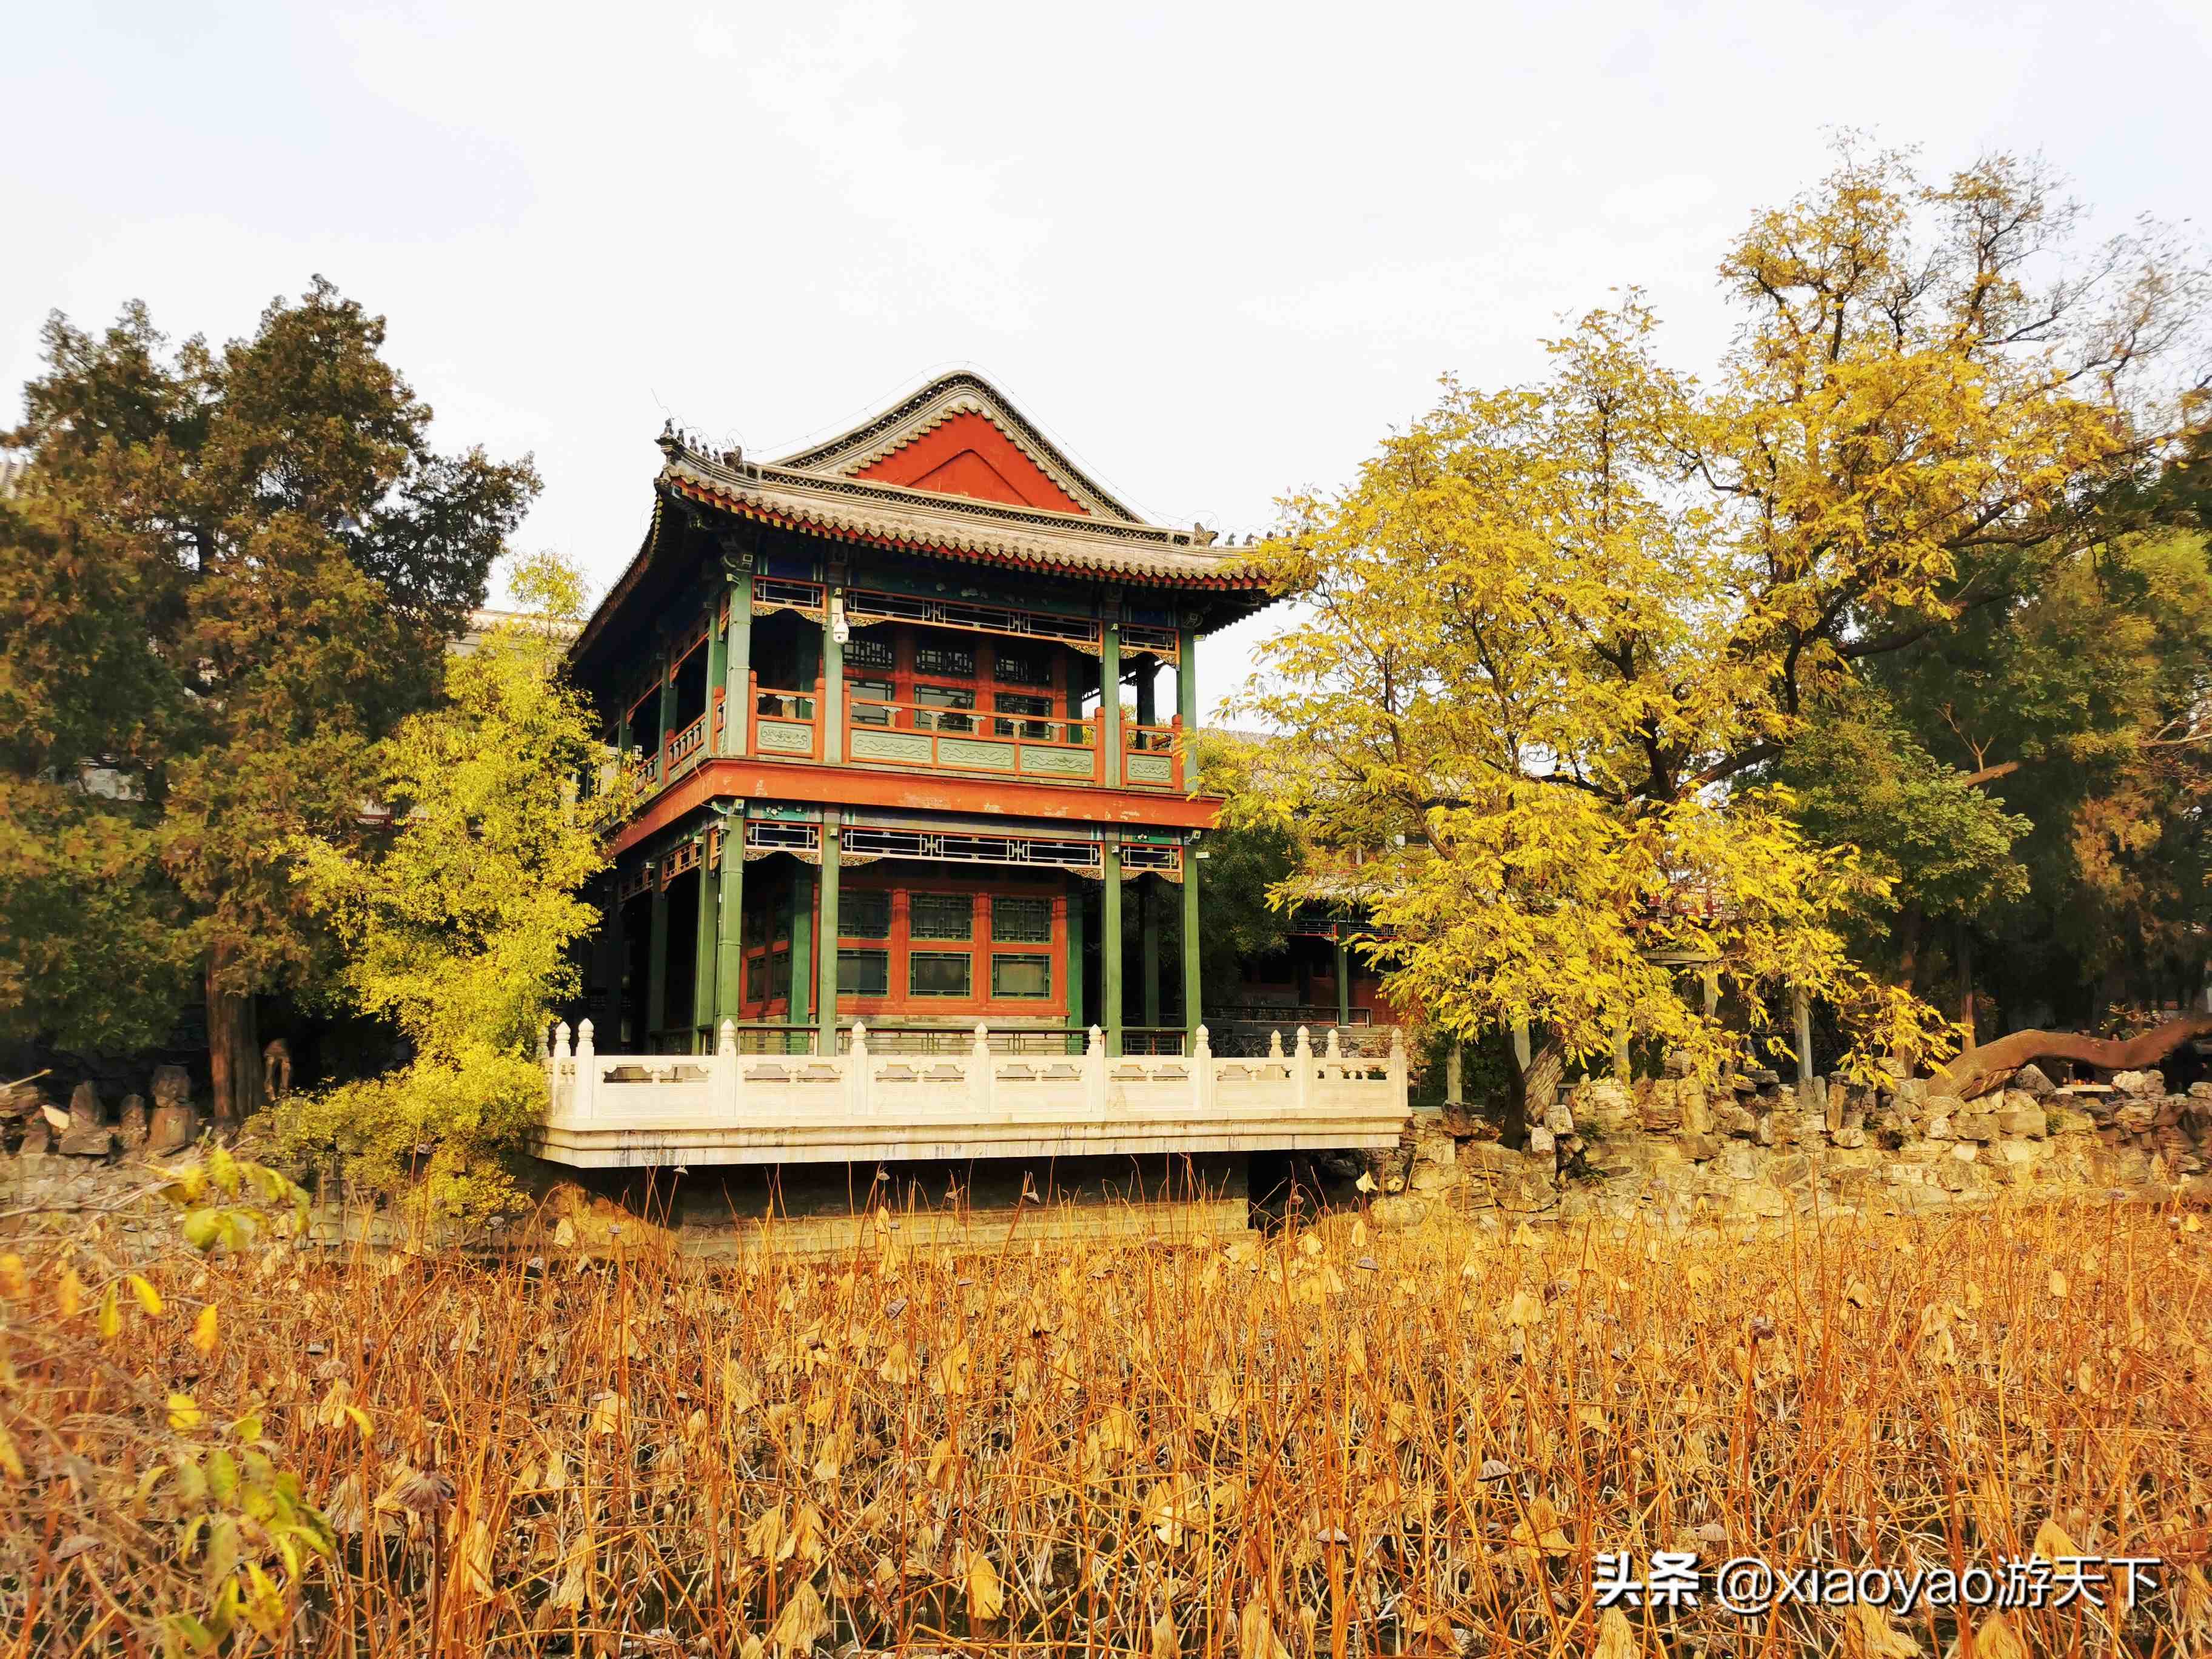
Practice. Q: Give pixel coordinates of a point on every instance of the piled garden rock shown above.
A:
(1755, 1146)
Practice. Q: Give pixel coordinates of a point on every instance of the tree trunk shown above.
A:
(1966, 985)
(1908, 944)
(233, 1045)
(1533, 1091)
(1974, 1073)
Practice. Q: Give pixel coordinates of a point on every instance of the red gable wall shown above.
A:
(968, 456)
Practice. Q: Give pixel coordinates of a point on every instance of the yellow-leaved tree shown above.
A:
(1550, 632)
(458, 929)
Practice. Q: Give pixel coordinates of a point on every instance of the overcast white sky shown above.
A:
(1216, 251)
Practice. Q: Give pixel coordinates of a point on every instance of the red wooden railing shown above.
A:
(1163, 740)
(784, 710)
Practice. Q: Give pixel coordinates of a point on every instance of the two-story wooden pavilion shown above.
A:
(911, 709)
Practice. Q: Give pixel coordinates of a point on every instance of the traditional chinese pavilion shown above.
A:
(910, 707)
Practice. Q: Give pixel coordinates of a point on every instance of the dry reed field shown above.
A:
(1331, 1441)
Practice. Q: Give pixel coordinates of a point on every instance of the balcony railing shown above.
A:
(970, 741)
(782, 723)
(1152, 755)
(787, 724)
(683, 744)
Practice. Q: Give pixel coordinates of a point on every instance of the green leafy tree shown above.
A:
(1940, 846)
(458, 929)
(226, 576)
(2083, 707)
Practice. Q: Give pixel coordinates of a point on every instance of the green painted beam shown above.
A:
(1343, 983)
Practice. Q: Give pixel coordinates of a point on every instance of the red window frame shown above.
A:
(899, 1004)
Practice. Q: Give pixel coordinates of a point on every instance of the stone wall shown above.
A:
(1672, 1149)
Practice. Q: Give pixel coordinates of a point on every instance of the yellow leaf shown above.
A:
(148, 1297)
(203, 1336)
(12, 1284)
(1523, 1309)
(11, 1461)
(183, 1413)
(2058, 1284)
(2051, 1542)
(110, 1320)
(1616, 1637)
(70, 1296)
(802, 1622)
(985, 1598)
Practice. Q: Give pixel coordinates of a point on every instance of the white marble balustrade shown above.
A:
(634, 1110)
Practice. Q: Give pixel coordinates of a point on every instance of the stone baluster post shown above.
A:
(729, 1076)
(1302, 1073)
(1201, 1072)
(583, 1094)
(1398, 1088)
(857, 1081)
(982, 1071)
(1332, 1070)
(1094, 1073)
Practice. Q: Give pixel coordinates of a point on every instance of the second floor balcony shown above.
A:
(948, 733)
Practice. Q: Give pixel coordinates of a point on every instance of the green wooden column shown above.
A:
(1109, 701)
(705, 955)
(1075, 1019)
(1187, 710)
(1109, 943)
(667, 714)
(833, 699)
(1148, 936)
(729, 916)
(656, 959)
(718, 648)
(1192, 1018)
(801, 996)
(833, 836)
(738, 657)
(1343, 982)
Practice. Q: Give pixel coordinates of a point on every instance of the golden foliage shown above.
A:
(1552, 632)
